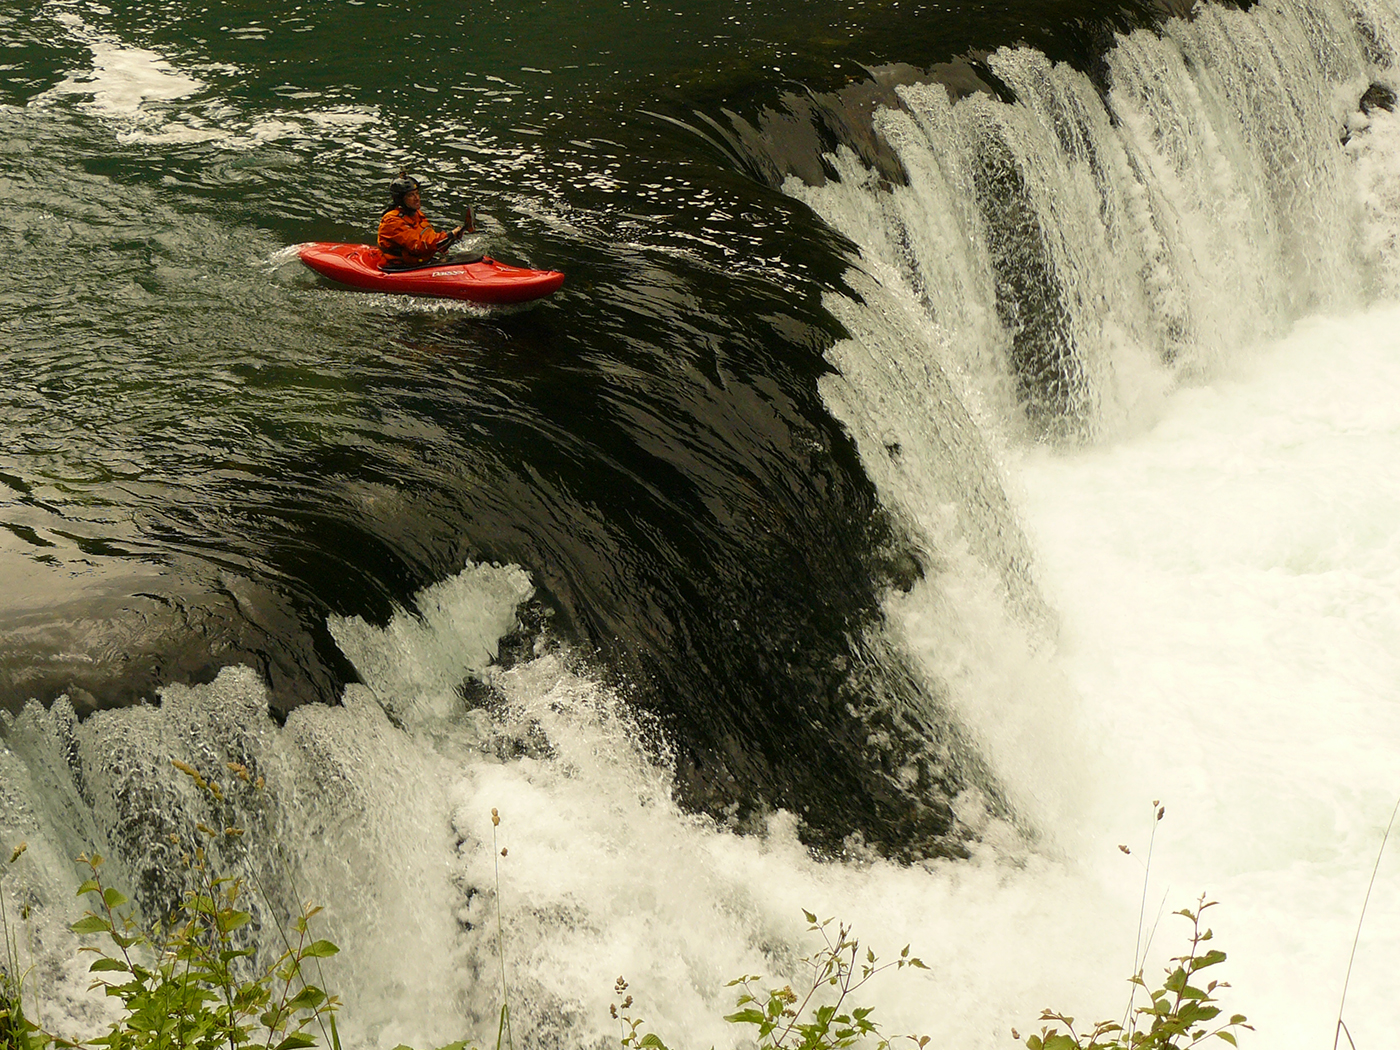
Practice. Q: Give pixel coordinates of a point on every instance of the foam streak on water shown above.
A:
(122, 79)
(152, 102)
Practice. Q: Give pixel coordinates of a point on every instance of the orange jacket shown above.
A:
(409, 237)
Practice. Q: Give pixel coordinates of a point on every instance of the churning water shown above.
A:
(1068, 482)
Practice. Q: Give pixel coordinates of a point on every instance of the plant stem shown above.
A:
(1139, 948)
(501, 949)
(1341, 1007)
(334, 1037)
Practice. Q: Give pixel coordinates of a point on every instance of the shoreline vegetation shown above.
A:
(196, 980)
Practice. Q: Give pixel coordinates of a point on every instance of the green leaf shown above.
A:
(319, 950)
(746, 1017)
(1210, 958)
(88, 887)
(295, 1040)
(232, 920)
(113, 898)
(1238, 1018)
(809, 916)
(651, 1039)
(1034, 1043)
(91, 924)
(1228, 1038)
(308, 998)
(105, 963)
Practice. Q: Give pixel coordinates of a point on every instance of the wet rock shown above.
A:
(1378, 96)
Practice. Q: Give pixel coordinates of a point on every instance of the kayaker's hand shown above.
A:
(457, 233)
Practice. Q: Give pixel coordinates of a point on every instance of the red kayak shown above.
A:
(484, 281)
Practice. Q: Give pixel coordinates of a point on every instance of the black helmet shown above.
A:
(403, 186)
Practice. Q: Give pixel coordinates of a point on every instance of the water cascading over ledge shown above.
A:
(1192, 194)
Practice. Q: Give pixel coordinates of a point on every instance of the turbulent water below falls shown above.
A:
(934, 466)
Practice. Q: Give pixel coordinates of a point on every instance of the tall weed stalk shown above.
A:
(16, 1030)
(1351, 959)
(1180, 1014)
(497, 852)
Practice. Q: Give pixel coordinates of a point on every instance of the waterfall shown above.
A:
(1064, 253)
(1075, 249)
(1080, 285)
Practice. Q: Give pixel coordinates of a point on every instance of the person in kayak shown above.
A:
(405, 236)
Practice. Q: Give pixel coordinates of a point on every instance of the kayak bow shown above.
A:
(484, 281)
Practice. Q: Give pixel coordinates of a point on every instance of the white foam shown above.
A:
(422, 656)
(1374, 146)
(1230, 590)
(605, 875)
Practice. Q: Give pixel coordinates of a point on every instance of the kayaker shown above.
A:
(405, 235)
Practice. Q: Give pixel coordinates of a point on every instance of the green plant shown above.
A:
(1181, 1015)
(193, 983)
(823, 1017)
(633, 1038)
(17, 1032)
(836, 971)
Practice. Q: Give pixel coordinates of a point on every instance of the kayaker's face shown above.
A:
(411, 200)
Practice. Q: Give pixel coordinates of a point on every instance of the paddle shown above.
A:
(468, 226)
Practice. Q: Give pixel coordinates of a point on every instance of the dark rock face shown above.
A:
(1375, 97)
(1378, 96)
